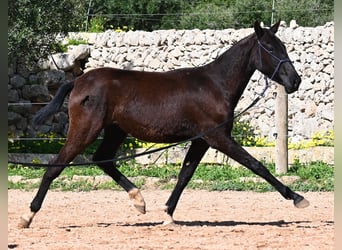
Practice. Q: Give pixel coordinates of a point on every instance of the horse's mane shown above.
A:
(234, 42)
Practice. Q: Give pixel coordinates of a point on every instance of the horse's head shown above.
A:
(273, 60)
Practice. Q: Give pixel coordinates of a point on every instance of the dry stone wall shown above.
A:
(311, 108)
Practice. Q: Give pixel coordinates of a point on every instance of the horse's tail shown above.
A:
(54, 105)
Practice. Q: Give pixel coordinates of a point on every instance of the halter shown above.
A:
(280, 61)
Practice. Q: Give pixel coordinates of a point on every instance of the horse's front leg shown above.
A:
(191, 161)
(230, 147)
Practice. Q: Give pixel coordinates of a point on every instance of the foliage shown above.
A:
(62, 47)
(97, 24)
(75, 42)
(325, 138)
(47, 145)
(50, 144)
(26, 172)
(314, 176)
(142, 14)
(203, 14)
(320, 174)
(306, 13)
(247, 11)
(34, 25)
(243, 133)
(207, 15)
(122, 29)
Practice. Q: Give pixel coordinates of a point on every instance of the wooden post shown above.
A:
(281, 147)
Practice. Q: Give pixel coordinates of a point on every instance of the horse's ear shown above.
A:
(258, 30)
(275, 27)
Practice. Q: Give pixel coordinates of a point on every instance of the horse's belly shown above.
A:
(159, 132)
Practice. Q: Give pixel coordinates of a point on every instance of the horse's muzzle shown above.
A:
(293, 86)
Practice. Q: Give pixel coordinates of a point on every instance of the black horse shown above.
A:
(167, 107)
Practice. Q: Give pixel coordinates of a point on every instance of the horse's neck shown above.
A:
(234, 68)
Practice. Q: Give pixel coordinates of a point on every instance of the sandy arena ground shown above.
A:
(204, 220)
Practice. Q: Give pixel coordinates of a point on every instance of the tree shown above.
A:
(207, 15)
(305, 12)
(33, 26)
(247, 11)
(140, 15)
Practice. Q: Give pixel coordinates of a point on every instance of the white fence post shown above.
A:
(281, 147)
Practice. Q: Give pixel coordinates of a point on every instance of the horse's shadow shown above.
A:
(279, 223)
(198, 223)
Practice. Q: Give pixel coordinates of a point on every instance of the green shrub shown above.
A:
(243, 133)
(46, 146)
(76, 42)
(97, 24)
(325, 138)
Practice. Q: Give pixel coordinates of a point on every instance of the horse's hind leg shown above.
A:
(75, 144)
(191, 161)
(50, 174)
(113, 138)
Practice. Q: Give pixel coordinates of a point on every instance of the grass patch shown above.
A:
(315, 176)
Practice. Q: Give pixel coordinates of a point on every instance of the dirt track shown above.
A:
(204, 220)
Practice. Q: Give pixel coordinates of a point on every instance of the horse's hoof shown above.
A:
(140, 208)
(139, 202)
(25, 221)
(169, 221)
(302, 203)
